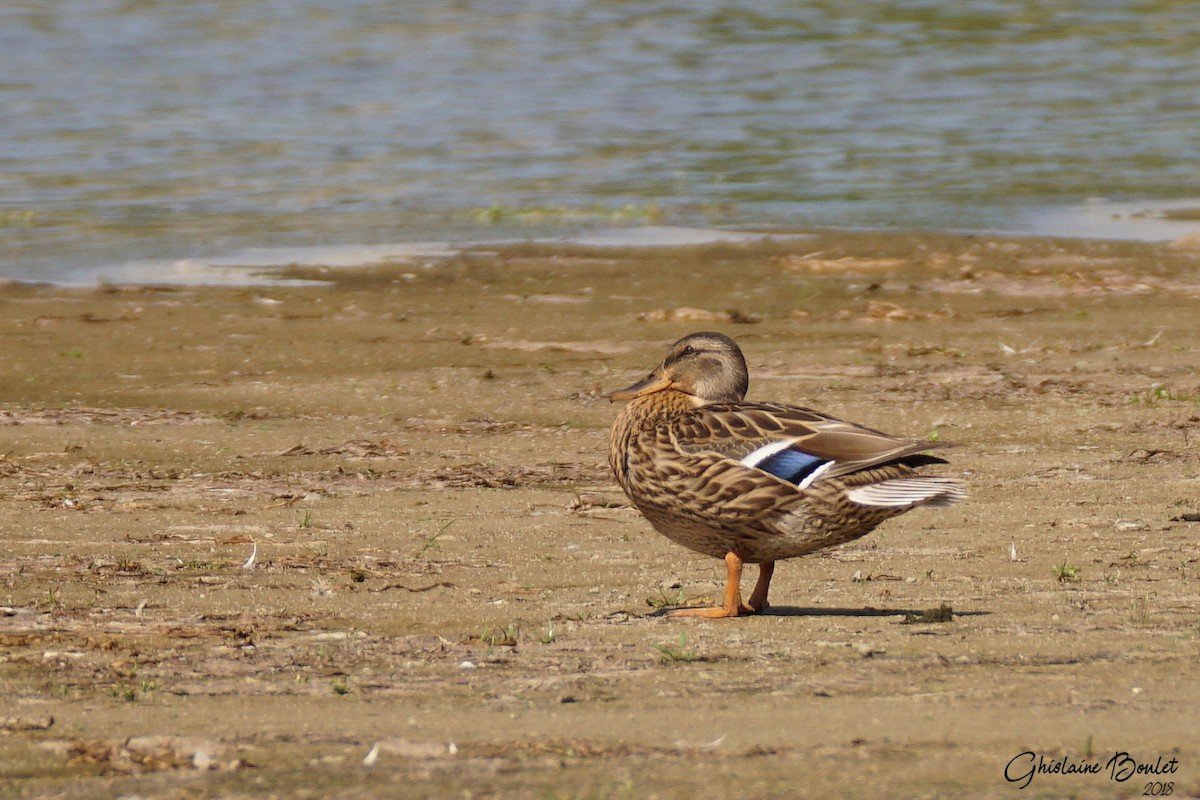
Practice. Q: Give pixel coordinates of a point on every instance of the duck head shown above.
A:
(707, 366)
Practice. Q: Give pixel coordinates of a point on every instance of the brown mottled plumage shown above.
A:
(756, 482)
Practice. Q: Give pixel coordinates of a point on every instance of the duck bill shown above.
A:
(648, 385)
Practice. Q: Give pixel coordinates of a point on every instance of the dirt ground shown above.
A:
(358, 539)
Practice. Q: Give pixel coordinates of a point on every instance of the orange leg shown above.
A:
(733, 604)
(758, 598)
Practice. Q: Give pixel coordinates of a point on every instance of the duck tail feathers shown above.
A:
(911, 492)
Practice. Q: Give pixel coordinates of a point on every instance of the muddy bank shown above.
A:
(314, 541)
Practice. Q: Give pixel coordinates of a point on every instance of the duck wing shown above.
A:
(741, 461)
(791, 443)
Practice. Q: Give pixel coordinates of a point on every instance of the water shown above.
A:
(144, 132)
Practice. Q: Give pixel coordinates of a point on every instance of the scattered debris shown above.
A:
(22, 724)
(881, 311)
(140, 754)
(524, 346)
(866, 650)
(942, 613)
(861, 577)
(1144, 455)
(413, 589)
(248, 564)
(813, 262)
(354, 449)
(408, 750)
(586, 501)
(688, 314)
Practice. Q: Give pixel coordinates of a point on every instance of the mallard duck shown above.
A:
(756, 482)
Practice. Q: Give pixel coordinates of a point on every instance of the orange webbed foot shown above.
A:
(706, 612)
(733, 605)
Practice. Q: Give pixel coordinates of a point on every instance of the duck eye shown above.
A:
(687, 350)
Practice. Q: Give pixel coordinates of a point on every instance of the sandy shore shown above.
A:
(359, 539)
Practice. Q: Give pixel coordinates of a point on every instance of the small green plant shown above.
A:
(1161, 393)
(196, 565)
(340, 687)
(551, 634)
(127, 693)
(502, 637)
(1140, 610)
(665, 600)
(1153, 395)
(1158, 393)
(306, 521)
(430, 542)
(53, 598)
(1066, 573)
(678, 652)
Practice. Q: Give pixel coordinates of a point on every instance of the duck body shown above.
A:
(687, 473)
(756, 482)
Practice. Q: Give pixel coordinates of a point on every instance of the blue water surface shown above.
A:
(135, 129)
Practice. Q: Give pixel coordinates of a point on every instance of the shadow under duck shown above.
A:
(756, 482)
